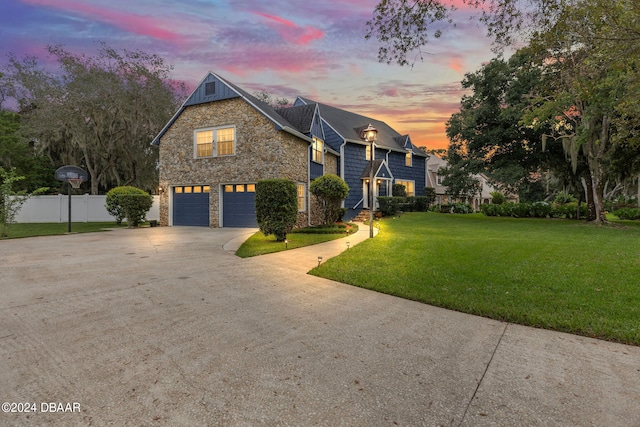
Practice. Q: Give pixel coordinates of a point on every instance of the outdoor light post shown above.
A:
(369, 135)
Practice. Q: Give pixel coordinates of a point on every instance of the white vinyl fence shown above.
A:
(84, 208)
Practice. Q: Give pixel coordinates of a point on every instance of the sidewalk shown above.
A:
(304, 259)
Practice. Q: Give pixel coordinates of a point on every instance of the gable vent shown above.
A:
(210, 89)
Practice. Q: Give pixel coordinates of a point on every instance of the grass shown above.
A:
(16, 231)
(555, 274)
(259, 244)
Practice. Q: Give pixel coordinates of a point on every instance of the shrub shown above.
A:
(128, 202)
(399, 190)
(541, 210)
(389, 205)
(276, 207)
(497, 198)
(563, 198)
(463, 208)
(430, 195)
(627, 213)
(535, 210)
(330, 190)
(419, 203)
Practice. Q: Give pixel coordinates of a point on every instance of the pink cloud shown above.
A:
(291, 32)
(456, 65)
(130, 22)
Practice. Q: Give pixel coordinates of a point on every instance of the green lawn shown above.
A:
(555, 274)
(259, 244)
(48, 229)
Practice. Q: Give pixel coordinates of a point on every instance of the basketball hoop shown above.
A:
(75, 182)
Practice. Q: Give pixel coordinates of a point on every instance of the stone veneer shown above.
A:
(262, 152)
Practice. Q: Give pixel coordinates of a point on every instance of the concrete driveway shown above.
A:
(167, 327)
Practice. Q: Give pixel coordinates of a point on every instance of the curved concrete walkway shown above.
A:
(167, 327)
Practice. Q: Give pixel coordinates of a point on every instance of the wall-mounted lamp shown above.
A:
(160, 189)
(319, 260)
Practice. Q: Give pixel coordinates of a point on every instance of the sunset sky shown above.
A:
(286, 47)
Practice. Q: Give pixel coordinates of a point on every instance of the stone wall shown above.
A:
(261, 152)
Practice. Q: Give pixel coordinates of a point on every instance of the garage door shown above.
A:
(239, 205)
(191, 205)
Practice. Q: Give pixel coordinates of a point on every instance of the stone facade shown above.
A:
(261, 152)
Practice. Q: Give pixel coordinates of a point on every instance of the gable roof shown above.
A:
(350, 125)
(380, 169)
(229, 91)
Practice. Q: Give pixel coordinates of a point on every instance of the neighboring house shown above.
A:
(435, 163)
(222, 141)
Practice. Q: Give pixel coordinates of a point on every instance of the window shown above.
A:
(215, 142)
(204, 143)
(409, 186)
(240, 188)
(439, 179)
(408, 159)
(225, 142)
(301, 198)
(228, 188)
(251, 188)
(368, 153)
(316, 150)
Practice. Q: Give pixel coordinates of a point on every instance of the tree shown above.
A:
(330, 190)
(460, 183)
(276, 207)
(10, 200)
(588, 52)
(405, 27)
(591, 53)
(99, 112)
(268, 98)
(16, 152)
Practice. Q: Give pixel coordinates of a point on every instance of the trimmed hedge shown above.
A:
(330, 190)
(276, 207)
(389, 206)
(128, 202)
(535, 210)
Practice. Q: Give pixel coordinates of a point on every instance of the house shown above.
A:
(434, 180)
(223, 140)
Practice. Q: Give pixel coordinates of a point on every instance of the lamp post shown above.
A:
(369, 135)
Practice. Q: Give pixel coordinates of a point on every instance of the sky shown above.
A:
(288, 48)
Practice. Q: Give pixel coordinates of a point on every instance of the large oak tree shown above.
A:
(99, 112)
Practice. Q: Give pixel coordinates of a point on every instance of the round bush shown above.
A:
(128, 202)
